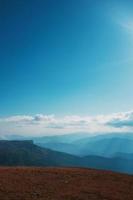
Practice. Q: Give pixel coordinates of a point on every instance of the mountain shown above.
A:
(114, 164)
(106, 147)
(60, 146)
(106, 144)
(103, 145)
(26, 153)
(128, 156)
(83, 144)
(67, 138)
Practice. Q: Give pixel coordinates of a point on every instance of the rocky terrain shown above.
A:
(23, 183)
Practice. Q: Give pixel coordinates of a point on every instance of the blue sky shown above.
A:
(66, 57)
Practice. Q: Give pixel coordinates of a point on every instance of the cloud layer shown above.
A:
(122, 120)
(41, 124)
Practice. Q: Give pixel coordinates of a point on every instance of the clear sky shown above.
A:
(66, 57)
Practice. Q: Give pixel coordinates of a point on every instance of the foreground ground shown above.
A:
(63, 184)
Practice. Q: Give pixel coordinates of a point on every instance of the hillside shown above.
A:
(83, 144)
(26, 153)
(64, 184)
(100, 145)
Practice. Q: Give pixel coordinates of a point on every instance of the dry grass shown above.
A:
(63, 184)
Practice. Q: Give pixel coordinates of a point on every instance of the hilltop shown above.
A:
(64, 184)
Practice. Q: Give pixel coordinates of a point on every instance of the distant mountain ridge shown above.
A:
(101, 145)
(26, 153)
(83, 144)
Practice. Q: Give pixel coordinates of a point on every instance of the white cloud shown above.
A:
(50, 124)
(121, 120)
(17, 118)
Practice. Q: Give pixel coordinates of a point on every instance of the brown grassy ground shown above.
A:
(63, 184)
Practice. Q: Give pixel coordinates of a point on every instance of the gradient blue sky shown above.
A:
(66, 57)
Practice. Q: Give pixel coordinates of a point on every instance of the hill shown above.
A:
(101, 145)
(84, 144)
(26, 153)
(64, 184)
(106, 146)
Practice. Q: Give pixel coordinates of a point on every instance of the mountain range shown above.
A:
(105, 145)
(26, 153)
(83, 144)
